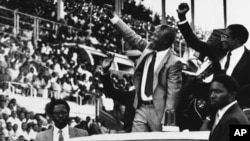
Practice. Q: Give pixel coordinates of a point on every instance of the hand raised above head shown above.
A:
(106, 63)
(108, 9)
(183, 8)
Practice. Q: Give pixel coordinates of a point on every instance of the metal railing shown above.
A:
(28, 90)
(18, 22)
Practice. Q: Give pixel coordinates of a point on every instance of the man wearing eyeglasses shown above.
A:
(58, 111)
(236, 60)
(225, 52)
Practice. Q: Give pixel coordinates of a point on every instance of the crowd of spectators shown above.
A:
(19, 124)
(44, 66)
(49, 68)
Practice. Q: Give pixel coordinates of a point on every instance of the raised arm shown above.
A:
(188, 34)
(119, 95)
(127, 33)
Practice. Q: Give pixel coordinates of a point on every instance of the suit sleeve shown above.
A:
(109, 90)
(194, 42)
(84, 133)
(130, 36)
(224, 132)
(204, 48)
(38, 137)
(174, 83)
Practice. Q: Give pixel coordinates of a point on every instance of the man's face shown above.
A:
(228, 42)
(2, 104)
(158, 40)
(24, 126)
(60, 116)
(219, 95)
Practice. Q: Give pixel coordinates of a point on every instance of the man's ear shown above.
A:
(232, 95)
(239, 41)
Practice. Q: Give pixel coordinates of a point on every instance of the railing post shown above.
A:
(17, 23)
(36, 29)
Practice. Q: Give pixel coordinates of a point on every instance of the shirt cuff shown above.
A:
(114, 20)
(182, 22)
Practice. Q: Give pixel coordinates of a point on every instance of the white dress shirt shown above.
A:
(65, 133)
(236, 54)
(235, 57)
(159, 56)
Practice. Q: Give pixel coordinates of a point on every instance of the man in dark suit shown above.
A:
(58, 111)
(160, 67)
(235, 61)
(223, 90)
(124, 97)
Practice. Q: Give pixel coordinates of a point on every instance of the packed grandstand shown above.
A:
(42, 58)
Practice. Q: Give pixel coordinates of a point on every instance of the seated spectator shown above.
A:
(23, 129)
(30, 117)
(3, 106)
(31, 134)
(4, 76)
(8, 132)
(16, 132)
(14, 119)
(14, 104)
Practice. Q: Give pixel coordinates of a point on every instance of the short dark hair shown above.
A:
(169, 33)
(229, 82)
(239, 31)
(55, 102)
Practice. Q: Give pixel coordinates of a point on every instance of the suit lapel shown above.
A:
(49, 135)
(142, 57)
(72, 132)
(241, 64)
(160, 66)
(224, 117)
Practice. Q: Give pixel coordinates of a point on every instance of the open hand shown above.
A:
(106, 63)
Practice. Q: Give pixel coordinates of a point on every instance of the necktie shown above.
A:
(228, 60)
(150, 76)
(60, 136)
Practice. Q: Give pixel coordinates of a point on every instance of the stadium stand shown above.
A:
(42, 58)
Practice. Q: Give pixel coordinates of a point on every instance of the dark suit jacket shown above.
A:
(165, 96)
(247, 113)
(48, 134)
(233, 116)
(123, 97)
(240, 72)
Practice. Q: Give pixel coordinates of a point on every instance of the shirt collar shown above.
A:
(65, 130)
(246, 109)
(238, 50)
(223, 110)
(161, 53)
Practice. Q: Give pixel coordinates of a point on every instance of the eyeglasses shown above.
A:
(225, 36)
